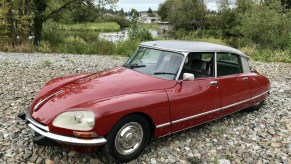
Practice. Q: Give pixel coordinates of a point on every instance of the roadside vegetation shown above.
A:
(99, 27)
(261, 29)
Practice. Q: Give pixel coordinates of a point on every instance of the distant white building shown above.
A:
(164, 27)
(144, 17)
(147, 19)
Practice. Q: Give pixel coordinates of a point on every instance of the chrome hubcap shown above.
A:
(129, 138)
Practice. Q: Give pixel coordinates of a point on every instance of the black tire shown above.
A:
(256, 106)
(113, 148)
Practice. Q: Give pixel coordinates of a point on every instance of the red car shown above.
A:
(165, 87)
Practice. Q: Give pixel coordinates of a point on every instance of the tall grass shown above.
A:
(100, 27)
(127, 47)
(267, 55)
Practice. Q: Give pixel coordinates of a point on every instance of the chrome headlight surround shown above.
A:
(82, 120)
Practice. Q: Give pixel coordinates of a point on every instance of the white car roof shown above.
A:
(191, 46)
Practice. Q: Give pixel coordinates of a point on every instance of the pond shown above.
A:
(121, 36)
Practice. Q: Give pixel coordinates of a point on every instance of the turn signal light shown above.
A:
(85, 134)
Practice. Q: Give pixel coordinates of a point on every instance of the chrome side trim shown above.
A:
(260, 95)
(32, 121)
(163, 49)
(194, 116)
(165, 135)
(70, 140)
(181, 67)
(209, 112)
(235, 104)
(215, 64)
(163, 125)
(44, 100)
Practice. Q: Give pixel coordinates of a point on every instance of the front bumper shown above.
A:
(44, 131)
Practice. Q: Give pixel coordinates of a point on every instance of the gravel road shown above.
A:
(262, 136)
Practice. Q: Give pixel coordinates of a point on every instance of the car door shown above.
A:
(194, 102)
(233, 83)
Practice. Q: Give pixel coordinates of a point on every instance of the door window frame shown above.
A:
(239, 63)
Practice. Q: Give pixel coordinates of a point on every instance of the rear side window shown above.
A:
(245, 65)
(228, 64)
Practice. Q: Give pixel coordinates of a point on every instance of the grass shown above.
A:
(5, 63)
(47, 63)
(267, 55)
(100, 27)
(195, 160)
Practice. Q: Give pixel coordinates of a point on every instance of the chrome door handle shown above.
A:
(245, 78)
(214, 82)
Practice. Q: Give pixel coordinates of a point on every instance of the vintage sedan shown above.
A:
(165, 87)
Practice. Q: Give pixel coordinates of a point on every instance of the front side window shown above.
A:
(228, 64)
(201, 65)
(157, 63)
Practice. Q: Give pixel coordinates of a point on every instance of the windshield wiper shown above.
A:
(137, 66)
(164, 73)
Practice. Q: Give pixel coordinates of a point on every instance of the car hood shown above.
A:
(63, 94)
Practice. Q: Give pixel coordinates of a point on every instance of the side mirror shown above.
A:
(188, 77)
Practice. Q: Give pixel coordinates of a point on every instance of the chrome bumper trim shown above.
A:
(32, 121)
(69, 140)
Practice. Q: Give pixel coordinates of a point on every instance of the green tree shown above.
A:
(165, 9)
(186, 14)
(43, 12)
(287, 3)
(15, 20)
(226, 16)
(121, 13)
(227, 19)
(150, 11)
(4, 26)
(268, 25)
(136, 31)
(84, 12)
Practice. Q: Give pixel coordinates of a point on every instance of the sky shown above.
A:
(143, 5)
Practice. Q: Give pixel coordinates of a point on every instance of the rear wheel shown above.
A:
(127, 139)
(256, 106)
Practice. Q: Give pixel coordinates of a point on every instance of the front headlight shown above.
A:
(75, 120)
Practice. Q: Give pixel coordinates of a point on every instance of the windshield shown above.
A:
(157, 63)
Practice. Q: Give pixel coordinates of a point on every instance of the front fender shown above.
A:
(152, 103)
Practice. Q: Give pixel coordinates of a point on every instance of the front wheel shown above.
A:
(127, 139)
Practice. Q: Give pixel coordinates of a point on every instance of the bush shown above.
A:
(268, 25)
(53, 37)
(101, 47)
(75, 45)
(127, 48)
(140, 33)
(44, 47)
(137, 31)
(195, 36)
(122, 21)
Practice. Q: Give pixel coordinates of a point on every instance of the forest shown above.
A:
(260, 28)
